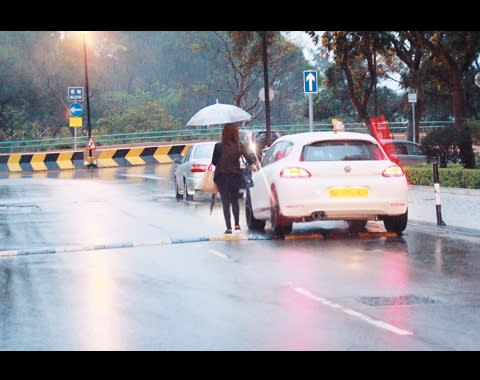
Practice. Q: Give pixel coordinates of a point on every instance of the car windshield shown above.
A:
(203, 151)
(342, 150)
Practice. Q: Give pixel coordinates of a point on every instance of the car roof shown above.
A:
(204, 143)
(396, 141)
(309, 137)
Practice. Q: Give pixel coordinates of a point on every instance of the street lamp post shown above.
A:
(87, 95)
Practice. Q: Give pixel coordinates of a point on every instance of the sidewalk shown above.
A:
(459, 207)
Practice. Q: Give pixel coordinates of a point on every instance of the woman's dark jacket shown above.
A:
(226, 158)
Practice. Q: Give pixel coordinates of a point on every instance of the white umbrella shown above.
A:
(219, 114)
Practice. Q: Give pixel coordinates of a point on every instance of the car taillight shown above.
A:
(198, 168)
(393, 171)
(295, 173)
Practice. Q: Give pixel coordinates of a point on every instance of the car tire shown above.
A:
(396, 223)
(178, 195)
(280, 225)
(187, 196)
(252, 223)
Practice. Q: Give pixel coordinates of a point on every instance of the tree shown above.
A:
(356, 54)
(413, 55)
(456, 51)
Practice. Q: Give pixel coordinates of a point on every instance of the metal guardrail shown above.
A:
(183, 135)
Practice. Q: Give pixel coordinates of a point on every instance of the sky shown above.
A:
(301, 39)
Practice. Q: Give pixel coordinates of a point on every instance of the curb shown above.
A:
(95, 247)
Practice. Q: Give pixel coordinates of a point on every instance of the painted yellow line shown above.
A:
(14, 163)
(303, 236)
(229, 237)
(38, 161)
(105, 160)
(161, 155)
(374, 233)
(133, 156)
(184, 150)
(64, 160)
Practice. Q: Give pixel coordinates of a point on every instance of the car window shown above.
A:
(188, 154)
(203, 151)
(342, 150)
(276, 152)
(414, 149)
(400, 148)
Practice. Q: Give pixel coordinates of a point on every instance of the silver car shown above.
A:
(190, 169)
(407, 153)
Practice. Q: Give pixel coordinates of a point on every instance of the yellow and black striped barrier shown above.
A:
(103, 158)
(41, 161)
(139, 155)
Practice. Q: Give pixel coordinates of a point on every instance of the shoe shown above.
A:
(237, 229)
(228, 231)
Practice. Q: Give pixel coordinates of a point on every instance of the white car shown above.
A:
(327, 176)
(191, 168)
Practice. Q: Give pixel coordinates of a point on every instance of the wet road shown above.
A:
(167, 279)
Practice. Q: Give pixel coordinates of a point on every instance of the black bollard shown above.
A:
(436, 184)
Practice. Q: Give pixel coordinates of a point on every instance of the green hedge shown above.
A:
(454, 176)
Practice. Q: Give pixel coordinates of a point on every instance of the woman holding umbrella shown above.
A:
(228, 177)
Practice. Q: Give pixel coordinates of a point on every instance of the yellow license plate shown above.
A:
(348, 192)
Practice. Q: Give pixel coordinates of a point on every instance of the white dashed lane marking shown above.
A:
(353, 313)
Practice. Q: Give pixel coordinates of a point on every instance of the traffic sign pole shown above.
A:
(310, 112)
(310, 86)
(413, 120)
(412, 98)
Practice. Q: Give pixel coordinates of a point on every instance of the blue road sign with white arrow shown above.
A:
(76, 109)
(310, 85)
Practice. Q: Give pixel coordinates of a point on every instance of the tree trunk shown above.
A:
(465, 144)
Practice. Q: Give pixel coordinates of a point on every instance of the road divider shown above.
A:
(103, 158)
(41, 161)
(118, 245)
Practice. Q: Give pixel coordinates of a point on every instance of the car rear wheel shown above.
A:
(187, 196)
(178, 195)
(280, 225)
(396, 223)
(252, 223)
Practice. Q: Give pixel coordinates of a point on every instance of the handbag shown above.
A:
(207, 184)
(247, 180)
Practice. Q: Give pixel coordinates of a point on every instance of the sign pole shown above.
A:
(75, 135)
(310, 111)
(413, 120)
(310, 87)
(412, 98)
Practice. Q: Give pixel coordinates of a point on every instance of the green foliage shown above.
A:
(442, 143)
(449, 177)
(146, 116)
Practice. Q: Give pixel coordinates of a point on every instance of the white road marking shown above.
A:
(353, 313)
(143, 176)
(219, 254)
